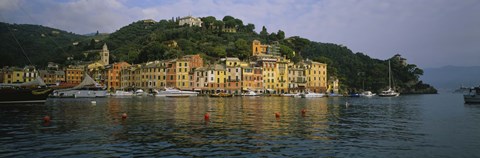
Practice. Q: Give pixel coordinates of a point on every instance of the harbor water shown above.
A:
(406, 126)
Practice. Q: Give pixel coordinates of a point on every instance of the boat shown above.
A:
(353, 94)
(390, 92)
(172, 92)
(29, 92)
(312, 95)
(250, 93)
(473, 95)
(367, 94)
(139, 92)
(221, 95)
(295, 95)
(122, 93)
(88, 88)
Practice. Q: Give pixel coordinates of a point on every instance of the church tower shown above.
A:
(105, 54)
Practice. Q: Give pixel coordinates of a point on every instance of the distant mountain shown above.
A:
(452, 77)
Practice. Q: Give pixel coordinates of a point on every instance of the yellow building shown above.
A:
(258, 48)
(316, 75)
(29, 73)
(269, 70)
(281, 72)
(13, 75)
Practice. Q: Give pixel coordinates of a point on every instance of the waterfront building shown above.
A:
(29, 73)
(13, 75)
(233, 75)
(74, 74)
(112, 73)
(52, 77)
(281, 71)
(316, 75)
(269, 67)
(296, 76)
(252, 78)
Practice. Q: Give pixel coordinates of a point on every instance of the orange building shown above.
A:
(74, 74)
(112, 73)
(258, 48)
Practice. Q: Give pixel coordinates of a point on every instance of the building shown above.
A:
(296, 76)
(316, 75)
(104, 55)
(190, 21)
(282, 75)
(233, 74)
(112, 73)
(258, 48)
(52, 77)
(269, 67)
(29, 73)
(74, 74)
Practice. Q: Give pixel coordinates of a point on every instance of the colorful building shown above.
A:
(112, 73)
(74, 74)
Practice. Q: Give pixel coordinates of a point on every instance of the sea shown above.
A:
(434, 125)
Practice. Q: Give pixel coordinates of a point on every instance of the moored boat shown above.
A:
(312, 95)
(473, 95)
(172, 92)
(29, 92)
(250, 93)
(221, 95)
(367, 94)
(390, 92)
(88, 88)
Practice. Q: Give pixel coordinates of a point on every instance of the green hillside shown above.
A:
(143, 41)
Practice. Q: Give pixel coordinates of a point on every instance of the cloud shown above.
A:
(427, 33)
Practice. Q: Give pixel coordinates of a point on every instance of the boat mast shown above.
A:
(389, 76)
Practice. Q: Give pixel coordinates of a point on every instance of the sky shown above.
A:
(428, 33)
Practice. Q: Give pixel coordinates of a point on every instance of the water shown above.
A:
(406, 126)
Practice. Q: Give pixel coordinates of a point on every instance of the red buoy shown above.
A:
(304, 112)
(277, 115)
(207, 116)
(124, 116)
(46, 118)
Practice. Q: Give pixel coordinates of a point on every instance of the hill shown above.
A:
(144, 40)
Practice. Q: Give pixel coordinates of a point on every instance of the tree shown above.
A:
(92, 44)
(280, 35)
(250, 27)
(264, 33)
(96, 34)
(228, 18)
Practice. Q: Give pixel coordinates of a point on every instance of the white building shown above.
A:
(191, 21)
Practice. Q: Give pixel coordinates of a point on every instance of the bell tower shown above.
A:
(105, 54)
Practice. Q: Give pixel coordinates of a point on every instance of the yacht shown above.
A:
(295, 95)
(312, 95)
(367, 94)
(139, 92)
(250, 93)
(172, 92)
(473, 95)
(122, 93)
(390, 92)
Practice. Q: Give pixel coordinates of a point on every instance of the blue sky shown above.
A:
(428, 33)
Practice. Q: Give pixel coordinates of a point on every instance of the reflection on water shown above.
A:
(239, 126)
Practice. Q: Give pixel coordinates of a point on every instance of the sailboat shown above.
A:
(390, 92)
(29, 92)
(88, 88)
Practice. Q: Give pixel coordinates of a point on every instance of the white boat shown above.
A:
(312, 95)
(390, 92)
(250, 93)
(295, 95)
(88, 88)
(139, 92)
(473, 95)
(171, 92)
(122, 93)
(367, 94)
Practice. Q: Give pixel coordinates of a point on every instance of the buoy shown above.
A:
(304, 112)
(207, 116)
(124, 116)
(46, 119)
(277, 115)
